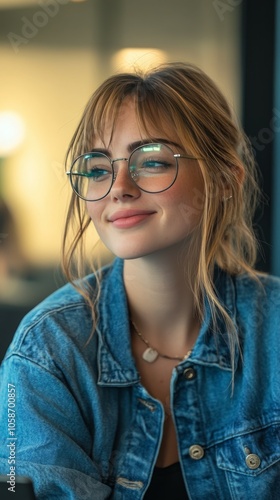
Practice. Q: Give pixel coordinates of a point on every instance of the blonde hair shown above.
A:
(194, 107)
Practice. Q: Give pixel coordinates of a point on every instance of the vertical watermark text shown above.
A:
(11, 445)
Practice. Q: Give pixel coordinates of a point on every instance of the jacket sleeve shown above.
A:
(44, 435)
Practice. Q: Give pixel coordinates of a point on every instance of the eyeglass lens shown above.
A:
(151, 166)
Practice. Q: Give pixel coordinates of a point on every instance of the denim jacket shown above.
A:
(76, 419)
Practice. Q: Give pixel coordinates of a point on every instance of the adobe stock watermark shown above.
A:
(266, 134)
(197, 202)
(11, 429)
(223, 7)
(30, 27)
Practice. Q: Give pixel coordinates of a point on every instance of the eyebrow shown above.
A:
(134, 145)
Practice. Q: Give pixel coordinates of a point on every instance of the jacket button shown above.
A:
(189, 373)
(196, 452)
(253, 461)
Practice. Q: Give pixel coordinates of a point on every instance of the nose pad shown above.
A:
(134, 176)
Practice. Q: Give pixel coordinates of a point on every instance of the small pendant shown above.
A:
(150, 355)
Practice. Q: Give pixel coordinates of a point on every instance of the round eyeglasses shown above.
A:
(152, 167)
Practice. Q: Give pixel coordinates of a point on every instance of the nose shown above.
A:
(123, 185)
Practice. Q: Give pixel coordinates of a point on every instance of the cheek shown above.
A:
(191, 206)
(186, 218)
(95, 210)
(188, 198)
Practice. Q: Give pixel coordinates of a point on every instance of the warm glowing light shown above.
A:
(12, 132)
(137, 58)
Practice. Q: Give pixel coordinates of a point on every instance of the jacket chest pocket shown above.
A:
(251, 462)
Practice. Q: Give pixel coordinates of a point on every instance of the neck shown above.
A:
(160, 299)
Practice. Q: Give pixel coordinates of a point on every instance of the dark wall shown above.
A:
(259, 112)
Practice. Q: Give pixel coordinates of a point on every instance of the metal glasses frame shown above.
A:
(177, 156)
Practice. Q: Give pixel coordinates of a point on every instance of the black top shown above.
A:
(167, 483)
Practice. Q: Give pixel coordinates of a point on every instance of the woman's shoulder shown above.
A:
(258, 304)
(64, 300)
(67, 299)
(62, 321)
(247, 288)
(261, 285)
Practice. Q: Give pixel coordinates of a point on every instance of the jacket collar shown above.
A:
(116, 366)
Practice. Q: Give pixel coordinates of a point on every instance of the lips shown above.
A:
(129, 218)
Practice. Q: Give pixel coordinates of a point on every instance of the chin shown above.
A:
(139, 247)
(130, 252)
(126, 255)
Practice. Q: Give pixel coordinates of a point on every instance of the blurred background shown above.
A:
(54, 53)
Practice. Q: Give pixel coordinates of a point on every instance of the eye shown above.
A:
(96, 167)
(154, 165)
(98, 174)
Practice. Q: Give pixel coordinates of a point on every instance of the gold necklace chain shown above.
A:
(151, 354)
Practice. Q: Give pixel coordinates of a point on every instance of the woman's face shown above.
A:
(133, 223)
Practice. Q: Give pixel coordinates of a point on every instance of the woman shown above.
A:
(157, 376)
